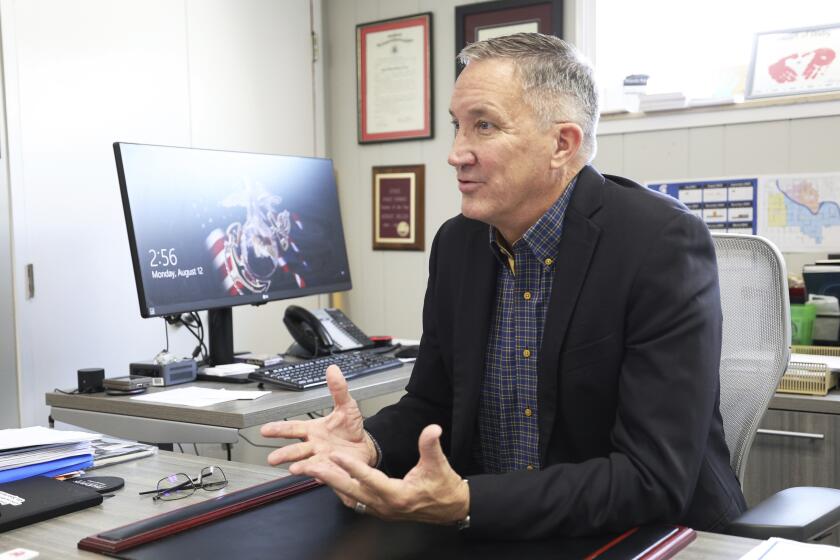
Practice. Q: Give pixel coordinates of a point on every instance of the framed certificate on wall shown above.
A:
(485, 20)
(394, 79)
(398, 207)
(795, 61)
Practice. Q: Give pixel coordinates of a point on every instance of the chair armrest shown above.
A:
(801, 514)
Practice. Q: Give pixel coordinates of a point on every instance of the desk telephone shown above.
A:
(324, 331)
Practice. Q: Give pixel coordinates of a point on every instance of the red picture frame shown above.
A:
(394, 79)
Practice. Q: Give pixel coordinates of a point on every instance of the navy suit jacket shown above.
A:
(629, 427)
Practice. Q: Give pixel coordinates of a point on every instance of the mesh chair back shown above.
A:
(756, 335)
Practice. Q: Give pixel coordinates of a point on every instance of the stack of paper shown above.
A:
(108, 450)
(662, 101)
(37, 451)
(776, 548)
(225, 370)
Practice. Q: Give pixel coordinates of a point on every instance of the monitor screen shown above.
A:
(210, 229)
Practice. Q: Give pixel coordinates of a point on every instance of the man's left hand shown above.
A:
(431, 492)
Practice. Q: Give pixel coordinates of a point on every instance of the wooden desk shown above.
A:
(163, 423)
(57, 538)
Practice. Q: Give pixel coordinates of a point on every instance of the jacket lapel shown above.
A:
(575, 251)
(473, 315)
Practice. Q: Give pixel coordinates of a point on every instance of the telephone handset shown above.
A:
(324, 331)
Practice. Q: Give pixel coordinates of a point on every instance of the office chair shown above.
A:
(754, 356)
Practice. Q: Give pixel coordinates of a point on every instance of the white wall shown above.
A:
(8, 355)
(230, 74)
(251, 89)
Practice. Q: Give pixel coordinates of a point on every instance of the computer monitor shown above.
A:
(822, 279)
(211, 229)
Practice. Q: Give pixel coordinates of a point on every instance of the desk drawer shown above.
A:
(793, 449)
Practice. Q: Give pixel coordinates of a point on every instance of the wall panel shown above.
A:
(705, 151)
(756, 148)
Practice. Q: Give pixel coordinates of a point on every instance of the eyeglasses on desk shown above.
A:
(180, 485)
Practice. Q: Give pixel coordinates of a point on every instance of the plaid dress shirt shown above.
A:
(507, 414)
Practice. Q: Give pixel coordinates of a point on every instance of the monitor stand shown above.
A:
(220, 335)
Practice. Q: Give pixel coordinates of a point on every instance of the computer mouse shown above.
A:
(408, 352)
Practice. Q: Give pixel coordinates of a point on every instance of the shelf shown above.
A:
(748, 111)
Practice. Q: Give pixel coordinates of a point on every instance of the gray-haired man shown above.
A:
(567, 381)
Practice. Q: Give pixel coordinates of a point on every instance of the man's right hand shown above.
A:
(342, 430)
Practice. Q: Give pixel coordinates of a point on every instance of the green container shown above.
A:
(802, 316)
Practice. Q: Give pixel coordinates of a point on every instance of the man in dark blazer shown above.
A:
(567, 379)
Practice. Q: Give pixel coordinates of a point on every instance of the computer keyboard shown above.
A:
(312, 373)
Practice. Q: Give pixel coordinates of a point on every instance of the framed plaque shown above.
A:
(477, 22)
(795, 61)
(398, 207)
(394, 79)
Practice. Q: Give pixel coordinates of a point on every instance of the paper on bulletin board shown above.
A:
(801, 212)
(727, 205)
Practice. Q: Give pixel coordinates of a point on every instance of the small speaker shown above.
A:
(90, 380)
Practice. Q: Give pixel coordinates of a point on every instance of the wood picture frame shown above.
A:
(795, 61)
(476, 22)
(394, 79)
(398, 207)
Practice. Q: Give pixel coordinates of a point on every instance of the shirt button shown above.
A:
(530, 467)
(548, 262)
(528, 412)
(527, 296)
(526, 353)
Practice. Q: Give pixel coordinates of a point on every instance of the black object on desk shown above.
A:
(30, 500)
(295, 518)
(407, 352)
(90, 380)
(125, 392)
(100, 484)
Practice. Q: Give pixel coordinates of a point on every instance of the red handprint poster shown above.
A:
(795, 61)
